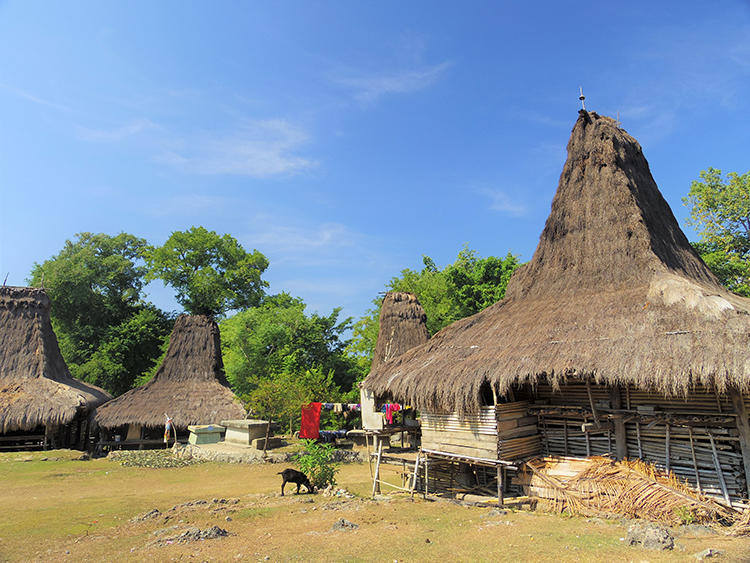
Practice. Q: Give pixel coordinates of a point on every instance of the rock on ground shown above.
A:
(650, 536)
(343, 524)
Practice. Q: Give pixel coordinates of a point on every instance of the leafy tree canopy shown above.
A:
(278, 337)
(459, 290)
(720, 211)
(211, 273)
(108, 334)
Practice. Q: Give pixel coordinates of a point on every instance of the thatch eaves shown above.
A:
(613, 291)
(36, 388)
(403, 325)
(189, 386)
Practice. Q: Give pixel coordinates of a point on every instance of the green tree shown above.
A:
(108, 334)
(459, 290)
(278, 337)
(720, 211)
(280, 396)
(211, 273)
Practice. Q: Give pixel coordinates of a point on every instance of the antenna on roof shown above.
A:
(6, 278)
(618, 119)
(582, 98)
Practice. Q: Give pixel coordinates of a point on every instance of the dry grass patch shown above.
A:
(64, 510)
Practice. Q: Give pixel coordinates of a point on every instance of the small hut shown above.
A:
(40, 402)
(189, 386)
(614, 339)
(403, 325)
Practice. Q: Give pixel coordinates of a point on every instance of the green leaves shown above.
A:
(720, 210)
(210, 273)
(316, 461)
(278, 337)
(108, 334)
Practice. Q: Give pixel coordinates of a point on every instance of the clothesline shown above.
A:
(310, 426)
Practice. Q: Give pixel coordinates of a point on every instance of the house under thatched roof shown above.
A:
(36, 388)
(189, 386)
(403, 325)
(614, 291)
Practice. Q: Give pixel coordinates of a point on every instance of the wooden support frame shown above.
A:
(743, 427)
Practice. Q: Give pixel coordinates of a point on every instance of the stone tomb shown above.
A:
(243, 432)
(205, 433)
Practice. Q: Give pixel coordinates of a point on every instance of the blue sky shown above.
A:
(344, 140)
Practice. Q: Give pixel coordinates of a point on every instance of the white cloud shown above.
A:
(501, 202)
(34, 99)
(369, 88)
(259, 149)
(306, 244)
(188, 205)
(129, 129)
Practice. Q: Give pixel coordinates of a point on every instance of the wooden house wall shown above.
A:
(504, 431)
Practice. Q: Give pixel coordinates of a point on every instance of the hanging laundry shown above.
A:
(310, 426)
(390, 410)
(328, 406)
(353, 407)
(338, 408)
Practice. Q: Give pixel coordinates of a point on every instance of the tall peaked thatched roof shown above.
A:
(36, 387)
(614, 290)
(403, 325)
(189, 386)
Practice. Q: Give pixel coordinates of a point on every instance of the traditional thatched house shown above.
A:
(189, 386)
(39, 400)
(615, 337)
(403, 325)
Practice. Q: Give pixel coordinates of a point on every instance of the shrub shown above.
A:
(316, 461)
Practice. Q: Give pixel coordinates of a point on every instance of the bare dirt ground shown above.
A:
(56, 508)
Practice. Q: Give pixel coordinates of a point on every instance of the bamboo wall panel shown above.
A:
(649, 419)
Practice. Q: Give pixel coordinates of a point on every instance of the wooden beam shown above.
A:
(719, 472)
(621, 436)
(743, 426)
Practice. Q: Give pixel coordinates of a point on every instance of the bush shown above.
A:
(316, 461)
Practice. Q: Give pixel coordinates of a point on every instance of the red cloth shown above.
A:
(310, 427)
(390, 410)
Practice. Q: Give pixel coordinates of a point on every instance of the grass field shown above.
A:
(57, 508)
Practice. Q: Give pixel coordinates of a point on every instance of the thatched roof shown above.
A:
(613, 291)
(189, 386)
(36, 388)
(403, 325)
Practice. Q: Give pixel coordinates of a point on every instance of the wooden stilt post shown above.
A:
(743, 427)
(621, 437)
(414, 477)
(695, 463)
(426, 475)
(588, 444)
(376, 478)
(500, 499)
(565, 435)
(666, 449)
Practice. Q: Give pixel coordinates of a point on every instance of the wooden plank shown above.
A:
(519, 432)
(463, 437)
(460, 449)
(719, 472)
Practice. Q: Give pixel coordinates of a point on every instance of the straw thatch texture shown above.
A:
(36, 388)
(189, 386)
(403, 325)
(613, 291)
